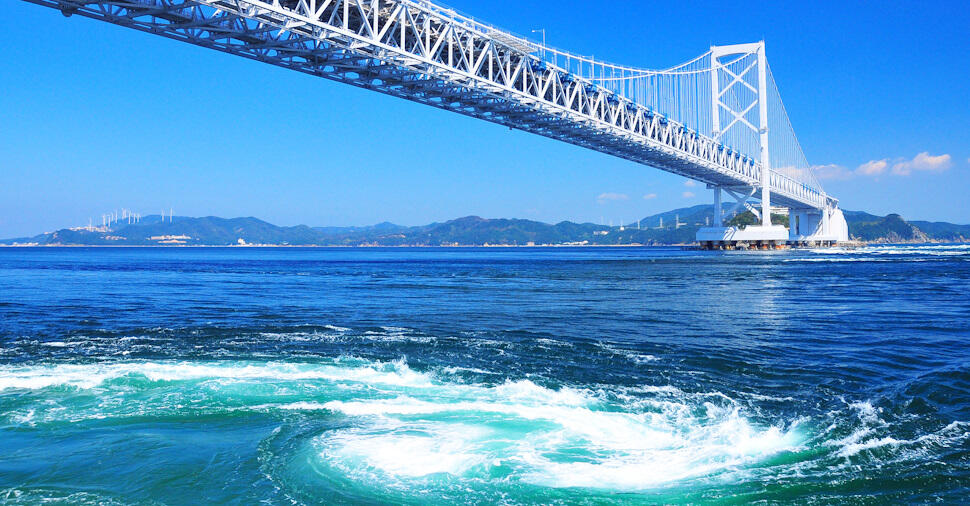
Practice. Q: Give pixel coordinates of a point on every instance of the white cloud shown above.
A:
(923, 162)
(650, 196)
(873, 167)
(688, 195)
(831, 171)
(609, 196)
(690, 183)
(899, 167)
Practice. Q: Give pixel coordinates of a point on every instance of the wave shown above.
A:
(404, 425)
(391, 428)
(872, 434)
(33, 496)
(547, 444)
(899, 249)
(87, 376)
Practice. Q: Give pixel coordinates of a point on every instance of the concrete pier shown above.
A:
(813, 228)
(750, 237)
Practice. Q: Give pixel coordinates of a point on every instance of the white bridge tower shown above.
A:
(740, 102)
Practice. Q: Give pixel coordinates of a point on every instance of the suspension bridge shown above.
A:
(717, 119)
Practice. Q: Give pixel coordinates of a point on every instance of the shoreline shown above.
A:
(851, 244)
(356, 246)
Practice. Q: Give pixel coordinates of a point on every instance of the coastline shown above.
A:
(850, 244)
(355, 246)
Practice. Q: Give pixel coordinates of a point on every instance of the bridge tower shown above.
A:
(740, 115)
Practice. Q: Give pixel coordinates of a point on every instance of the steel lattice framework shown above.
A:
(425, 53)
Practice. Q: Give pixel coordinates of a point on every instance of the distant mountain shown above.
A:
(209, 230)
(891, 228)
(942, 231)
(678, 226)
(386, 227)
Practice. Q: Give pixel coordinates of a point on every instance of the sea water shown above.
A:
(505, 375)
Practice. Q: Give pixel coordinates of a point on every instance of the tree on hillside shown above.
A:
(746, 218)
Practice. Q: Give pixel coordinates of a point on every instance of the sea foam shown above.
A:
(404, 425)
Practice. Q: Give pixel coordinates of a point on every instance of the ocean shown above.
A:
(484, 375)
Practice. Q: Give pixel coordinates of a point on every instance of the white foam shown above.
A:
(36, 377)
(870, 434)
(761, 397)
(938, 250)
(950, 435)
(633, 356)
(713, 449)
(295, 406)
(86, 376)
(851, 449)
(456, 370)
(866, 412)
(836, 260)
(410, 451)
(555, 342)
(621, 449)
(405, 424)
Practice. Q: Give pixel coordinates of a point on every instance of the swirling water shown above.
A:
(436, 376)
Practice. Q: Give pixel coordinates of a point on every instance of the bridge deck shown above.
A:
(418, 52)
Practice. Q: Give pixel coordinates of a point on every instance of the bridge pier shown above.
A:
(817, 226)
(807, 228)
(750, 237)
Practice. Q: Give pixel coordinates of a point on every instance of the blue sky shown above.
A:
(97, 117)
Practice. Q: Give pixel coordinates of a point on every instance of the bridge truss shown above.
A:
(712, 119)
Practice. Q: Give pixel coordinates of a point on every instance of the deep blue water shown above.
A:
(602, 375)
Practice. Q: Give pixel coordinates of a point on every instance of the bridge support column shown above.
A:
(763, 130)
(718, 217)
(765, 194)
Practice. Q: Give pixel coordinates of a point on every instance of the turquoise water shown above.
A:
(621, 375)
